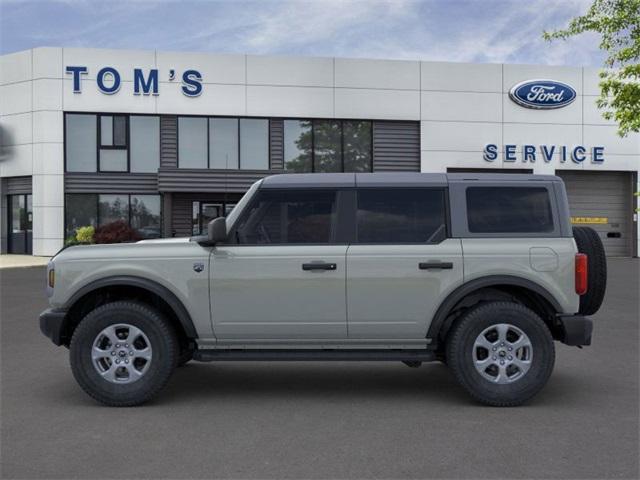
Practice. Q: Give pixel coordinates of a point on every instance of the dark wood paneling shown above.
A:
(276, 139)
(396, 146)
(202, 180)
(18, 185)
(110, 183)
(168, 141)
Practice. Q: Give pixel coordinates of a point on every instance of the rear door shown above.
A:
(401, 264)
(283, 277)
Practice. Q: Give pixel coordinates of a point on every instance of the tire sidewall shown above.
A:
(460, 353)
(163, 352)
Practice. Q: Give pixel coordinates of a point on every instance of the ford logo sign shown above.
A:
(542, 94)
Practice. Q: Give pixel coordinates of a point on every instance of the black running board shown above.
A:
(214, 355)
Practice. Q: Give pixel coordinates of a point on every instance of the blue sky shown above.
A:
(453, 30)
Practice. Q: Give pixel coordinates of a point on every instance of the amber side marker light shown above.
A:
(581, 274)
(52, 278)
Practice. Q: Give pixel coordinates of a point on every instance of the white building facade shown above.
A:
(165, 141)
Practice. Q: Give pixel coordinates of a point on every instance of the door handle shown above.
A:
(319, 266)
(435, 265)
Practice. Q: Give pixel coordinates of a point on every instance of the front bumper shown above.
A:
(575, 330)
(52, 324)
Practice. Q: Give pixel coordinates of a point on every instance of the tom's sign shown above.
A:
(108, 80)
(542, 94)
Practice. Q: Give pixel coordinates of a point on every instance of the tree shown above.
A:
(618, 23)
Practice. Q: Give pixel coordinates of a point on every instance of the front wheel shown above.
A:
(123, 353)
(502, 353)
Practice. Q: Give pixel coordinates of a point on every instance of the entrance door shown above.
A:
(283, 275)
(20, 223)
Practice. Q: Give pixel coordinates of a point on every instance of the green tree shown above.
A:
(618, 23)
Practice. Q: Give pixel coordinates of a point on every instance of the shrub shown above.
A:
(116, 232)
(85, 234)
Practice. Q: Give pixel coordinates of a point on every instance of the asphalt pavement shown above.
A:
(320, 420)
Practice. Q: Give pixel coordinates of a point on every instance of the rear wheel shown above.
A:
(123, 353)
(502, 353)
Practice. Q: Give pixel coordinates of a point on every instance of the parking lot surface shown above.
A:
(320, 420)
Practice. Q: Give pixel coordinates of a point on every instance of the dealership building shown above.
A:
(166, 141)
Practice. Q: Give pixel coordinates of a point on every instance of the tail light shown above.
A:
(581, 274)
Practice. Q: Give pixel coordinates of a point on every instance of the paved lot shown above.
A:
(322, 420)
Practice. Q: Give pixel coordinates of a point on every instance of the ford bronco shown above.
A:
(480, 271)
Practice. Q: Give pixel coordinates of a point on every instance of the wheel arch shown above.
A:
(127, 286)
(495, 287)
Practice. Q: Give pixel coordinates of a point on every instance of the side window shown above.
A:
(509, 210)
(393, 215)
(289, 217)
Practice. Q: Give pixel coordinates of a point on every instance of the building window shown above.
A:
(401, 215)
(144, 143)
(80, 142)
(141, 212)
(223, 143)
(112, 143)
(509, 210)
(289, 217)
(297, 146)
(328, 146)
(204, 212)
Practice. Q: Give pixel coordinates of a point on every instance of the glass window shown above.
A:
(119, 131)
(81, 210)
(195, 218)
(80, 142)
(106, 130)
(297, 146)
(327, 143)
(509, 210)
(401, 215)
(145, 215)
(192, 142)
(112, 208)
(223, 143)
(145, 143)
(357, 146)
(254, 144)
(113, 160)
(289, 216)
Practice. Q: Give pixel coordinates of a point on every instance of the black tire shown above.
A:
(164, 347)
(588, 242)
(460, 351)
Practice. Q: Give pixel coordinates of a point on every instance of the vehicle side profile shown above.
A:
(481, 271)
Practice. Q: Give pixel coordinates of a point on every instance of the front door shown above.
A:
(282, 276)
(20, 224)
(401, 265)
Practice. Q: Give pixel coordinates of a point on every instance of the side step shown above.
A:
(214, 355)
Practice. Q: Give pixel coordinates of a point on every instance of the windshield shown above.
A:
(233, 216)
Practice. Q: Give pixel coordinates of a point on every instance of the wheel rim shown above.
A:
(121, 353)
(502, 353)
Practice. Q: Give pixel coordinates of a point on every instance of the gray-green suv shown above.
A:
(482, 272)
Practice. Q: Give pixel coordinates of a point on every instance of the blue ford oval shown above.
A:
(542, 94)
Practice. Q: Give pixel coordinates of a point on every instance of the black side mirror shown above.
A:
(217, 230)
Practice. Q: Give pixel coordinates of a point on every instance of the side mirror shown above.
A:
(217, 230)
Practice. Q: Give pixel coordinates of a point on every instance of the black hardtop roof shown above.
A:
(392, 179)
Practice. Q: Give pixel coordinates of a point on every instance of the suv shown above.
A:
(480, 271)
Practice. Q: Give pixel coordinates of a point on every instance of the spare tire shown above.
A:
(589, 243)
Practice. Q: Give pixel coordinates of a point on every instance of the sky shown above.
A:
(486, 31)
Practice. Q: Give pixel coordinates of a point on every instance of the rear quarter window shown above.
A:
(509, 210)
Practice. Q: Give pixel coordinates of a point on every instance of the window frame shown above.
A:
(444, 191)
(100, 147)
(313, 122)
(238, 143)
(344, 201)
(121, 194)
(98, 116)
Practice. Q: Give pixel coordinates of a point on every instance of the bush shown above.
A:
(85, 234)
(116, 232)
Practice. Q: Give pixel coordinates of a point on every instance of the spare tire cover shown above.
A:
(589, 243)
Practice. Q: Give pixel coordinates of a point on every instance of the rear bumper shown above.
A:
(52, 324)
(576, 330)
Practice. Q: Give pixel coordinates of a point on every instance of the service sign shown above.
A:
(542, 94)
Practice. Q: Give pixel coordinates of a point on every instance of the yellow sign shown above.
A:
(589, 220)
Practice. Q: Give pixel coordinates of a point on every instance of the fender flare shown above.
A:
(440, 317)
(132, 281)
